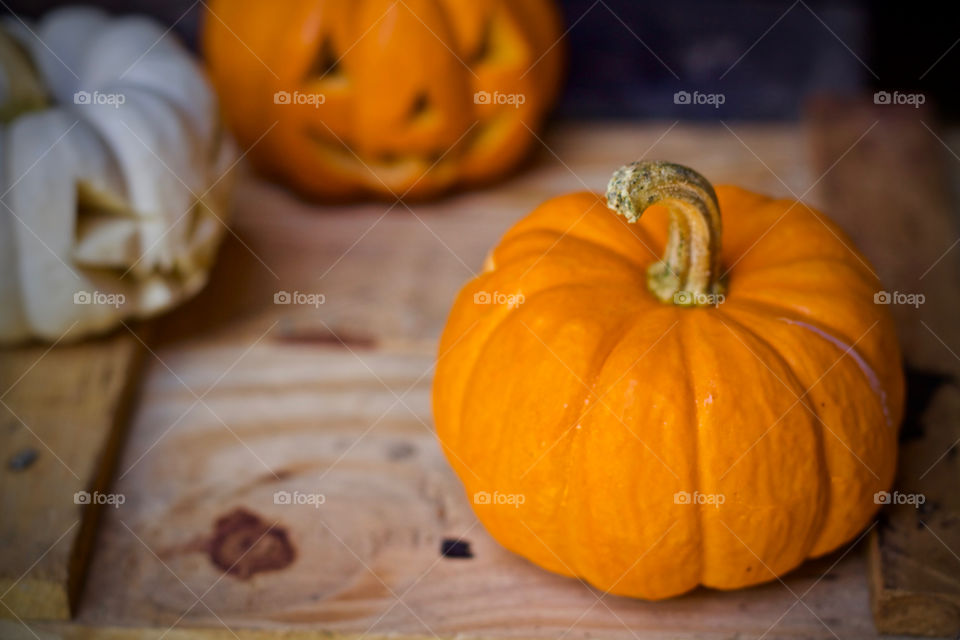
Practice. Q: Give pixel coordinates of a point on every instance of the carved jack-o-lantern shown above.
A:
(114, 174)
(341, 98)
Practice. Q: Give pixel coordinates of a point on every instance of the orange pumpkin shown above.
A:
(382, 97)
(651, 425)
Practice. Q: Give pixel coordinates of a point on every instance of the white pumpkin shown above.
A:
(113, 190)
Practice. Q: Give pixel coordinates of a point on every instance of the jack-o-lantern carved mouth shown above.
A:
(381, 160)
(480, 135)
(391, 166)
(386, 171)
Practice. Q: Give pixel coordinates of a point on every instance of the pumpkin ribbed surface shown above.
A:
(657, 447)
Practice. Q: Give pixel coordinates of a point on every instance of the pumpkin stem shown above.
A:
(688, 274)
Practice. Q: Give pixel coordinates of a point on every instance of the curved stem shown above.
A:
(689, 272)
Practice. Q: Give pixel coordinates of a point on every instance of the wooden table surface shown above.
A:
(243, 397)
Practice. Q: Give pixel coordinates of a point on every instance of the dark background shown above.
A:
(629, 57)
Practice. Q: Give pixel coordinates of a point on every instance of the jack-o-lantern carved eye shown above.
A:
(501, 43)
(482, 52)
(420, 106)
(327, 63)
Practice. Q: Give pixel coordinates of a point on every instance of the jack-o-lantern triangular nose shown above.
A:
(327, 62)
(412, 91)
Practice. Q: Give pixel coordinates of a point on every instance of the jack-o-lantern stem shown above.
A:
(689, 273)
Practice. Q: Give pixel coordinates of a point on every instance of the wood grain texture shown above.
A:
(320, 421)
(246, 398)
(61, 415)
(893, 187)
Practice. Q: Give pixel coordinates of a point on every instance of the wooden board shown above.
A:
(246, 398)
(290, 408)
(907, 218)
(368, 559)
(61, 412)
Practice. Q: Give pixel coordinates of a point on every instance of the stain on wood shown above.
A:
(323, 336)
(23, 459)
(455, 548)
(400, 451)
(243, 544)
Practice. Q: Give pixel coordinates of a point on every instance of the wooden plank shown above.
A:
(892, 190)
(69, 631)
(60, 425)
(285, 406)
(368, 558)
